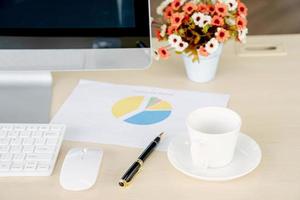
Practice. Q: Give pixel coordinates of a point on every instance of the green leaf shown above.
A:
(205, 28)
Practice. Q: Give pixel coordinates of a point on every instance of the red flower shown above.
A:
(211, 9)
(157, 34)
(203, 8)
(241, 22)
(221, 9)
(176, 4)
(168, 12)
(189, 8)
(163, 53)
(242, 9)
(176, 19)
(217, 21)
(171, 30)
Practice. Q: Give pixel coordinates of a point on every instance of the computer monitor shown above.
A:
(55, 35)
(74, 35)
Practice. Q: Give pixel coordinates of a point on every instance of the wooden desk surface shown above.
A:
(264, 90)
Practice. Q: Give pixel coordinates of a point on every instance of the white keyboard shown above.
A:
(29, 149)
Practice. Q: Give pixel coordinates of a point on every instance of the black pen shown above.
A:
(136, 166)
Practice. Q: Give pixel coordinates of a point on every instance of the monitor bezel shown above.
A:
(142, 29)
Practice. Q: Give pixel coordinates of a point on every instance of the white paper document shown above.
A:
(129, 115)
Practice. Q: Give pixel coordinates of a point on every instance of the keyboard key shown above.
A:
(4, 149)
(3, 134)
(52, 134)
(6, 156)
(5, 166)
(20, 127)
(44, 149)
(56, 128)
(32, 128)
(39, 156)
(44, 128)
(40, 141)
(16, 149)
(16, 141)
(43, 166)
(17, 166)
(30, 166)
(4, 141)
(28, 149)
(28, 141)
(19, 157)
(37, 134)
(25, 134)
(7, 127)
(13, 134)
(52, 141)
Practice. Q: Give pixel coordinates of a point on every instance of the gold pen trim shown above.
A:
(124, 183)
(140, 162)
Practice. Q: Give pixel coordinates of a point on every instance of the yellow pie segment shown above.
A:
(163, 105)
(127, 105)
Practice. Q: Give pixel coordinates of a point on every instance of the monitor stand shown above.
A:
(25, 97)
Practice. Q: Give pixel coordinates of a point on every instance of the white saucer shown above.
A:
(247, 157)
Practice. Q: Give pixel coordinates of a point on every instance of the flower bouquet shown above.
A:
(198, 28)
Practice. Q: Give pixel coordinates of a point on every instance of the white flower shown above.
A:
(174, 40)
(181, 46)
(242, 34)
(151, 20)
(230, 21)
(162, 6)
(163, 29)
(212, 45)
(201, 19)
(182, 1)
(159, 10)
(231, 4)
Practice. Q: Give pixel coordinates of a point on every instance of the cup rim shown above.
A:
(220, 108)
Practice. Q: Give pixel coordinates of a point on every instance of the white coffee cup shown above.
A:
(213, 133)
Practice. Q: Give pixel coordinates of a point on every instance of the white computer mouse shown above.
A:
(80, 168)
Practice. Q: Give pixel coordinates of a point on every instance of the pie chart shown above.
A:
(141, 110)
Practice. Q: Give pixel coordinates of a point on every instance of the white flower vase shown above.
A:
(204, 70)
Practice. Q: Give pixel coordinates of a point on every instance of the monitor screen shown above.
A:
(45, 14)
(74, 24)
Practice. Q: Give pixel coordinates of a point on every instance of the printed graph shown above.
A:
(141, 110)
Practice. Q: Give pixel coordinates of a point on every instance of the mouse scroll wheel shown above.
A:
(84, 151)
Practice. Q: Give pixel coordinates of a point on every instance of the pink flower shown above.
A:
(241, 23)
(221, 9)
(203, 8)
(176, 19)
(202, 51)
(171, 30)
(168, 13)
(222, 34)
(176, 4)
(217, 21)
(163, 53)
(242, 9)
(189, 7)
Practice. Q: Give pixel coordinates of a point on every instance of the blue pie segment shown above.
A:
(148, 117)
